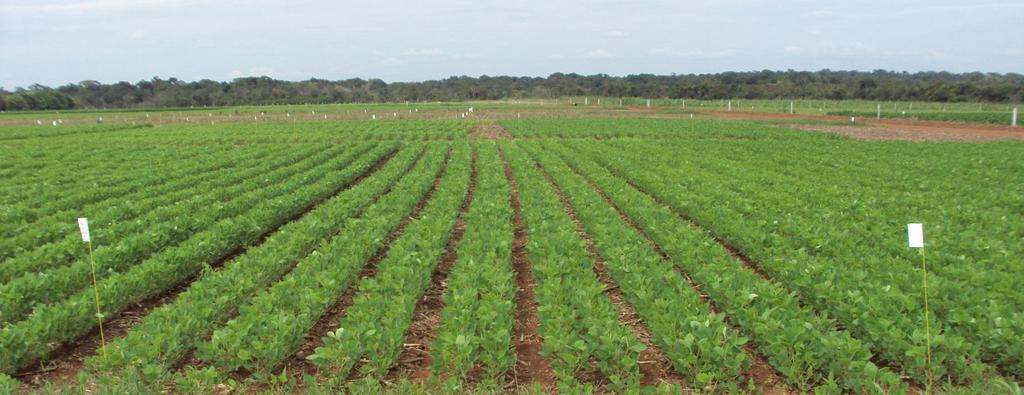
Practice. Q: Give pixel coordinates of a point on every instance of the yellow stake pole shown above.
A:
(96, 294)
(927, 331)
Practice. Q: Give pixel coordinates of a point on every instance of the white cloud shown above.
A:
(423, 52)
(599, 53)
(690, 53)
(946, 57)
(82, 7)
(961, 8)
(462, 56)
(251, 72)
(616, 33)
(794, 50)
(829, 48)
(269, 72)
(824, 13)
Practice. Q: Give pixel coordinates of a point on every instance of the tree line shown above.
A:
(824, 84)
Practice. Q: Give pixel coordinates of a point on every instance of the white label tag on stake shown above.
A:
(83, 225)
(915, 235)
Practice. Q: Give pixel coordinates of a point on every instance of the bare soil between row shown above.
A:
(415, 361)
(886, 129)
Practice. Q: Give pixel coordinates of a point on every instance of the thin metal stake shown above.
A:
(96, 294)
(927, 330)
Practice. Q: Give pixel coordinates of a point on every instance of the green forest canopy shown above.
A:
(823, 84)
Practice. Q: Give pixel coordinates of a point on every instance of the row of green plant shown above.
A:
(953, 199)
(46, 129)
(126, 218)
(8, 385)
(49, 325)
(19, 296)
(25, 214)
(375, 324)
(579, 324)
(806, 348)
(699, 343)
(847, 292)
(477, 321)
(955, 208)
(170, 332)
(392, 124)
(990, 318)
(270, 327)
(696, 130)
(98, 165)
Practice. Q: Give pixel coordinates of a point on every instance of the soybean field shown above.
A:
(505, 254)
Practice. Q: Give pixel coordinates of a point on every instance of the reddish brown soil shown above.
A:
(640, 109)
(490, 131)
(414, 361)
(530, 365)
(887, 129)
(910, 134)
(298, 365)
(655, 367)
(67, 359)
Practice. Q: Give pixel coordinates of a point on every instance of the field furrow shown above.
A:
(414, 360)
(803, 345)
(587, 345)
(216, 296)
(370, 335)
(23, 294)
(817, 285)
(121, 222)
(259, 343)
(531, 366)
(34, 337)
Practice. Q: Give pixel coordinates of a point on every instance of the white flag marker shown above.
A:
(83, 226)
(915, 235)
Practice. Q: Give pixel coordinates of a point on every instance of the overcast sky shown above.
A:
(58, 42)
